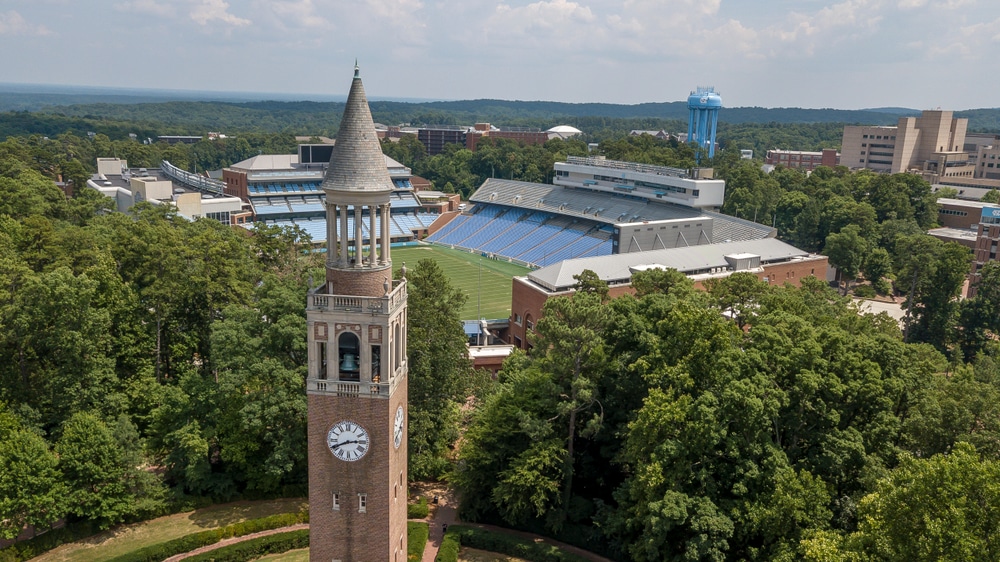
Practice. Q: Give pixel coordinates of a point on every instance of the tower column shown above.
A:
(384, 250)
(358, 237)
(331, 233)
(372, 236)
(343, 235)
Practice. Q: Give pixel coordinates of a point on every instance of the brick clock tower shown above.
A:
(357, 360)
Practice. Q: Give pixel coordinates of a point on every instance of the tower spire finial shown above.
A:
(357, 69)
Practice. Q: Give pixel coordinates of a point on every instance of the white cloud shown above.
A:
(215, 10)
(12, 23)
(954, 4)
(148, 7)
(401, 20)
(298, 13)
(911, 4)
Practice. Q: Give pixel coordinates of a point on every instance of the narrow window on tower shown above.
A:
(397, 350)
(322, 359)
(376, 363)
(362, 503)
(336, 501)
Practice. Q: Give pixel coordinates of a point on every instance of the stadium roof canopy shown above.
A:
(609, 208)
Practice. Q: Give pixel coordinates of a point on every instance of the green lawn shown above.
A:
(128, 538)
(486, 282)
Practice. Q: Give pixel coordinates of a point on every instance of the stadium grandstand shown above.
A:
(284, 190)
(542, 224)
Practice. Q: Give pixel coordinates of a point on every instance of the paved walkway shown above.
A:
(444, 513)
(233, 540)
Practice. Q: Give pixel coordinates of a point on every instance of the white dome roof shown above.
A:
(564, 130)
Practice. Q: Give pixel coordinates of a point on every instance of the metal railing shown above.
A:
(629, 166)
(350, 388)
(192, 180)
(375, 305)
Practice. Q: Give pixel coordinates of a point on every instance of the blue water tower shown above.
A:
(703, 106)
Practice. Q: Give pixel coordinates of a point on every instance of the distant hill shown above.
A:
(662, 110)
(150, 104)
(894, 110)
(445, 112)
(160, 112)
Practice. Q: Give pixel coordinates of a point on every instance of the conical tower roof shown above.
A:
(357, 163)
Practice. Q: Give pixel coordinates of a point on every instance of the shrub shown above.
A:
(450, 546)
(197, 540)
(416, 536)
(864, 291)
(882, 286)
(31, 548)
(255, 548)
(418, 510)
(500, 543)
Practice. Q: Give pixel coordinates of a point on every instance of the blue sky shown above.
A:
(773, 53)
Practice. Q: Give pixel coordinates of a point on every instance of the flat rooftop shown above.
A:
(629, 166)
(617, 268)
(122, 181)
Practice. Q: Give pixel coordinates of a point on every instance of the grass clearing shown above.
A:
(127, 538)
(486, 282)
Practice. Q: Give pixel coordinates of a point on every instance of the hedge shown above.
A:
(450, 545)
(255, 548)
(418, 510)
(500, 543)
(31, 548)
(43, 543)
(416, 537)
(156, 552)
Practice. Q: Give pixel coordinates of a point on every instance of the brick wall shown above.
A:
(360, 282)
(347, 534)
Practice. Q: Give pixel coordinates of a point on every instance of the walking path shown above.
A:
(444, 513)
(232, 540)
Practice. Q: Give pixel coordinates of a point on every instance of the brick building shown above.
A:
(987, 240)
(803, 160)
(771, 260)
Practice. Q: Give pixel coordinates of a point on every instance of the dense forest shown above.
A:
(149, 363)
(748, 422)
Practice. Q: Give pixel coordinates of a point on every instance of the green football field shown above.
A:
(486, 282)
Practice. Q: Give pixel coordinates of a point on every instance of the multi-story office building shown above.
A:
(932, 145)
(987, 240)
(988, 162)
(801, 159)
(525, 135)
(434, 138)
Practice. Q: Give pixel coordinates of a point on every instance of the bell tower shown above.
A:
(356, 386)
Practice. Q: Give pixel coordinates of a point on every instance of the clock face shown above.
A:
(397, 427)
(348, 441)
